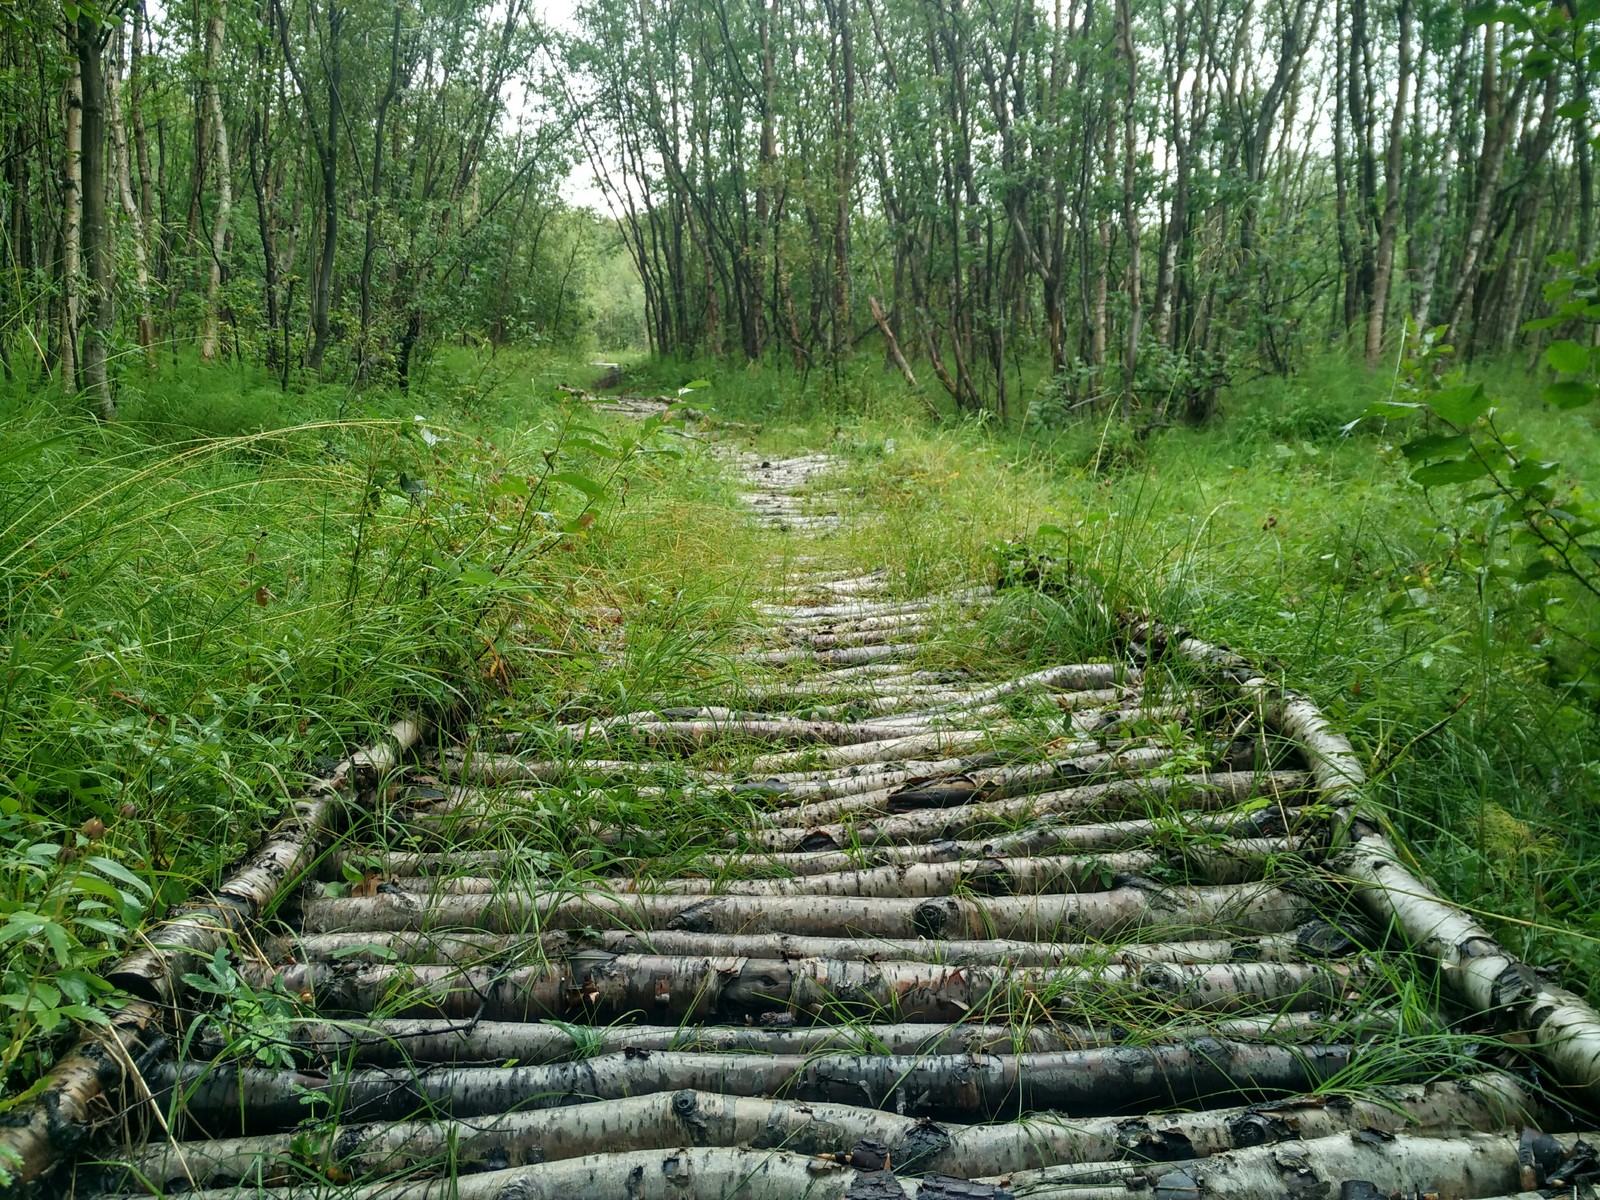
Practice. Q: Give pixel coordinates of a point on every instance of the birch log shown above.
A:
(176, 946)
(1088, 1082)
(685, 1118)
(1141, 907)
(598, 988)
(405, 1042)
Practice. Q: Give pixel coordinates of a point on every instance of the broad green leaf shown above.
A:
(1436, 445)
(580, 483)
(1569, 393)
(511, 485)
(1567, 357)
(593, 447)
(1451, 470)
(120, 873)
(1460, 405)
(1530, 473)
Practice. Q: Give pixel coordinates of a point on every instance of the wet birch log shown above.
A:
(176, 946)
(1474, 1164)
(1309, 941)
(407, 1042)
(1192, 793)
(966, 1086)
(77, 1094)
(684, 1118)
(1475, 969)
(599, 987)
(971, 787)
(1144, 909)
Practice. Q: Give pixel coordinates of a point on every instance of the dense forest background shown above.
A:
(1141, 201)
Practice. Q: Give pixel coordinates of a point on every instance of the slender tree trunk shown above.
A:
(1383, 269)
(122, 170)
(71, 223)
(1130, 206)
(96, 233)
(222, 168)
(1499, 123)
(369, 248)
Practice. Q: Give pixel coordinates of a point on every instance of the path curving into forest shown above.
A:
(1107, 927)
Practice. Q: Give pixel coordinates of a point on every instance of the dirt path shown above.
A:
(1091, 930)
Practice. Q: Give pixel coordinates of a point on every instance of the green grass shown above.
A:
(235, 584)
(211, 601)
(1472, 696)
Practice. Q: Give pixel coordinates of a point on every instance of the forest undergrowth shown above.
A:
(211, 599)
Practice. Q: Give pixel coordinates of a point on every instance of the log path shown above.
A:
(1096, 928)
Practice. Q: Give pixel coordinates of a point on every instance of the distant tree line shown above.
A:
(327, 185)
(1155, 194)
(1148, 196)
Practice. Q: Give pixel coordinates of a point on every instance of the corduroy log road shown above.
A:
(1108, 928)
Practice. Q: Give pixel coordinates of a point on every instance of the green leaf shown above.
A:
(1451, 470)
(1530, 473)
(1569, 393)
(1534, 569)
(1460, 405)
(694, 384)
(580, 483)
(593, 447)
(1573, 109)
(1567, 357)
(120, 873)
(1436, 445)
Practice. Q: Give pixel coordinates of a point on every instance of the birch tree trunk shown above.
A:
(1389, 226)
(71, 225)
(122, 171)
(222, 168)
(96, 233)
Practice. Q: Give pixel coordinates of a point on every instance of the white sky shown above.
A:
(580, 188)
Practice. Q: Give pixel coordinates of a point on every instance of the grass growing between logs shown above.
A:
(198, 612)
(1472, 694)
(207, 603)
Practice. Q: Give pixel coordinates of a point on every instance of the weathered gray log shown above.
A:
(176, 946)
(1316, 939)
(1473, 1164)
(1142, 907)
(1044, 837)
(600, 987)
(1083, 764)
(70, 1101)
(405, 1042)
(1193, 793)
(668, 1120)
(1087, 1082)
